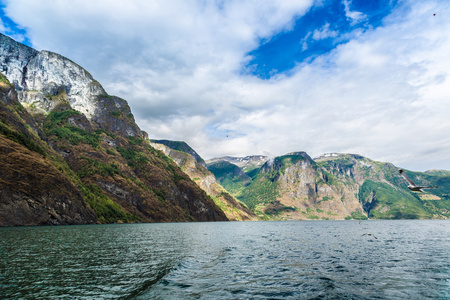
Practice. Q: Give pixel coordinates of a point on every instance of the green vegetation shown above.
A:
(181, 146)
(438, 172)
(325, 198)
(107, 211)
(75, 135)
(134, 158)
(135, 141)
(391, 203)
(262, 190)
(55, 118)
(312, 217)
(357, 215)
(252, 172)
(21, 138)
(230, 176)
(4, 79)
(93, 166)
(275, 208)
(383, 195)
(111, 152)
(329, 179)
(56, 125)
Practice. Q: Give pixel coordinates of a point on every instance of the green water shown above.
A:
(229, 260)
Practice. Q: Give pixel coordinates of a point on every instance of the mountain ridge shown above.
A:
(92, 138)
(192, 166)
(332, 186)
(102, 168)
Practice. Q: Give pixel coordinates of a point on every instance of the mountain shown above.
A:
(333, 186)
(247, 163)
(183, 147)
(438, 172)
(230, 176)
(192, 165)
(36, 185)
(73, 154)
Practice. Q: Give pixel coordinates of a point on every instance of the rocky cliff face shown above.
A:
(41, 78)
(108, 160)
(234, 210)
(35, 188)
(334, 186)
(180, 146)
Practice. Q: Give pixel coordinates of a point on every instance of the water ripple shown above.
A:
(238, 260)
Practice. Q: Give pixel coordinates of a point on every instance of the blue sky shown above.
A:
(321, 29)
(10, 28)
(234, 77)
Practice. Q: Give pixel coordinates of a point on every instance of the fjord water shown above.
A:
(228, 260)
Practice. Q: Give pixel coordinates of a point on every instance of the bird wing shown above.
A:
(428, 187)
(406, 178)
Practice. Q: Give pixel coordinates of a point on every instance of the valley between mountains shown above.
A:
(330, 187)
(70, 153)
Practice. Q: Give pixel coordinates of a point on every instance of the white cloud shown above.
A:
(6, 29)
(2, 27)
(353, 16)
(384, 94)
(324, 33)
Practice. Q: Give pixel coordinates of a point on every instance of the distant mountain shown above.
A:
(247, 163)
(183, 147)
(233, 178)
(233, 209)
(332, 186)
(72, 154)
(438, 172)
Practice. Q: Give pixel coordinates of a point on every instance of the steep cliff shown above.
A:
(36, 185)
(333, 186)
(119, 175)
(183, 147)
(193, 167)
(43, 79)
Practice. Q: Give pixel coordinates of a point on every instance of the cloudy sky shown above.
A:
(243, 77)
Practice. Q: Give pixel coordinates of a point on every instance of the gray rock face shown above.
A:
(32, 190)
(39, 76)
(242, 162)
(13, 59)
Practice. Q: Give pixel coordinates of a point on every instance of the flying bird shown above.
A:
(412, 186)
(369, 234)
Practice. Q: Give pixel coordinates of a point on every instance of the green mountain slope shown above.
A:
(337, 186)
(230, 176)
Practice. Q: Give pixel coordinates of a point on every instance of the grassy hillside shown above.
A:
(336, 186)
(230, 176)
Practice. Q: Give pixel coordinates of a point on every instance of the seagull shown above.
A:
(369, 234)
(412, 186)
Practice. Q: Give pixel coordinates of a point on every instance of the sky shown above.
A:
(248, 77)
